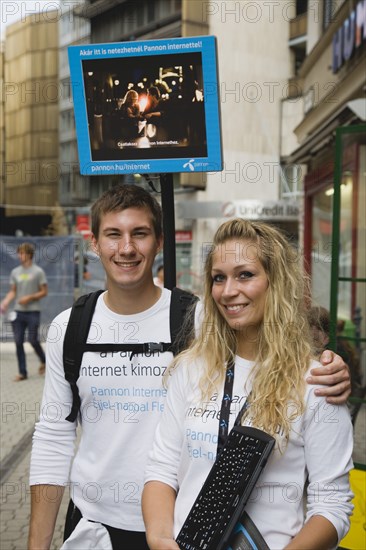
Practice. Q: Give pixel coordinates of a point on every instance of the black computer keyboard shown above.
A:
(226, 490)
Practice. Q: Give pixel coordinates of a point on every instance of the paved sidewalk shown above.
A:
(20, 405)
(20, 401)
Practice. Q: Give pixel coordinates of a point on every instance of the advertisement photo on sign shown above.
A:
(148, 106)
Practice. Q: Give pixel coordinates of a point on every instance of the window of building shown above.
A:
(65, 185)
(140, 15)
(150, 12)
(330, 8)
(63, 59)
(66, 89)
(299, 56)
(79, 186)
(301, 6)
(292, 181)
(67, 121)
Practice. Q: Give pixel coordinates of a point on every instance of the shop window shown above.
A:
(345, 246)
(321, 253)
(321, 245)
(342, 290)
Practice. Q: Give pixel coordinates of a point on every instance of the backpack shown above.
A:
(78, 329)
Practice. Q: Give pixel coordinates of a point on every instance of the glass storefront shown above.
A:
(339, 190)
(335, 250)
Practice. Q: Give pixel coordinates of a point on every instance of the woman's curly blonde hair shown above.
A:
(284, 344)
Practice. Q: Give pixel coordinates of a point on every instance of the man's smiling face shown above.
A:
(127, 246)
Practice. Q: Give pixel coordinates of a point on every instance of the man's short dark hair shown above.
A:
(27, 248)
(122, 197)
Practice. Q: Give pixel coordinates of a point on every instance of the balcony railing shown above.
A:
(298, 26)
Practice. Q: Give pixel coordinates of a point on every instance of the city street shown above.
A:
(181, 137)
(20, 404)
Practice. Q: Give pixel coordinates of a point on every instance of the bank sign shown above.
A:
(350, 36)
(261, 210)
(248, 209)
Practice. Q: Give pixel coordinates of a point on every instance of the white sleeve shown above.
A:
(164, 458)
(328, 438)
(54, 437)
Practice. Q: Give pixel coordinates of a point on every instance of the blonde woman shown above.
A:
(130, 105)
(130, 112)
(254, 321)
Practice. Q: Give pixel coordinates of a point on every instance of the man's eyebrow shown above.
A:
(137, 228)
(110, 228)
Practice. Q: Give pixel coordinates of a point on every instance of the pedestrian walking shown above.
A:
(28, 285)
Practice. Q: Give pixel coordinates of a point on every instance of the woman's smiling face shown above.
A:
(239, 284)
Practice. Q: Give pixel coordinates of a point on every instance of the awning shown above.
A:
(353, 110)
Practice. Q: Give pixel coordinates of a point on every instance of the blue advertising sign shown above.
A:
(147, 107)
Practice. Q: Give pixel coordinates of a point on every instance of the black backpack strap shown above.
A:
(75, 338)
(181, 319)
(142, 347)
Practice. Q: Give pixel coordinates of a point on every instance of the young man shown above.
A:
(28, 285)
(121, 394)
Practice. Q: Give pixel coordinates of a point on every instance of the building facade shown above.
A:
(2, 134)
(255, 64)
(331, 154)
(74, 189)
(31, 119)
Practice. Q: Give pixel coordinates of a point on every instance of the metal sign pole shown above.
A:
(167, 205)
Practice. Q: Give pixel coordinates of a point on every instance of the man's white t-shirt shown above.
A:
(122, 399)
